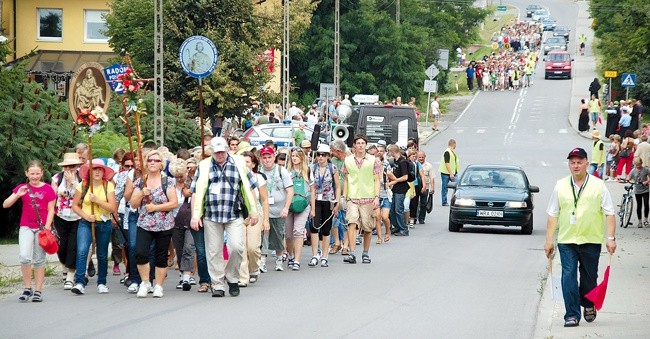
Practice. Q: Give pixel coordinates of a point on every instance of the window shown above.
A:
(95, 26)
(50, 24)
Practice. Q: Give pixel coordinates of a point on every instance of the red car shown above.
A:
(557, 64)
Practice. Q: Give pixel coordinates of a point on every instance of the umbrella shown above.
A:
(597, 295)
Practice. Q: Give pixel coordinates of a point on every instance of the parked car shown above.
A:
(554, 43)
(492, 195)
(540, 15)
(558, 64)
(281, 134)
(530, 9)
(562, 31)
(549, 24)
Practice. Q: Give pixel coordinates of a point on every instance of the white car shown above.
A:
(280, 134)
(541, 14)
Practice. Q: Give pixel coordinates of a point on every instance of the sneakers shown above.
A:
(233, 289)
(133, 288)
(78, 289)
(102, 289)
(640, 224)
(645, 223)
(179, 286)
(184, 285)
(263, 268)
(192, 281)
(67, 285)
(144, 288)
(116, 270)
(278, 264)
(313, 262)
(158, 291)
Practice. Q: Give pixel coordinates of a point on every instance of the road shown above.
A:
(480, 282)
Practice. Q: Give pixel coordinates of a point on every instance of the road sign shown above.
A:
(112, 73)
(611, 74)
(365, 98)
(628, 80)
(198, 56)
(502, 8)
(443, 58)
(430, 86)
(432, 71)
(327, 90)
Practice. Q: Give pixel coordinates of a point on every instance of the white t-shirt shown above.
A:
(435, 107)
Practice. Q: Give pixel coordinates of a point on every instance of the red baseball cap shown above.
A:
(267, 150)
(577, 152)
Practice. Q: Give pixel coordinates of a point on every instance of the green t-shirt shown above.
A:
(299, 136)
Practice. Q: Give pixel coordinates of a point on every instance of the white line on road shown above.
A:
(480, 131)
(468, 106)
(545, 164)
(540, 131)
(563, 131)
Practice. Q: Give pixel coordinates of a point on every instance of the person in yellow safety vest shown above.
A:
(594, 109)
(597, 154)
(449, 166)
(580, 207)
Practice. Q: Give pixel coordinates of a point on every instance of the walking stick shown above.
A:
(90, 184)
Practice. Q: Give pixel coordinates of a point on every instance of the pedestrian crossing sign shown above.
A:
(628, 80)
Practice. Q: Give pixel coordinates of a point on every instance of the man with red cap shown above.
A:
(578, 205)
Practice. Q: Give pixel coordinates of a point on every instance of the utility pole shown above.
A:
(159, 97)
(337, 52)
(286, 88)
(397, 12)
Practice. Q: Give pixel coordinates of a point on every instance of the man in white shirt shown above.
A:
(428, 188)
(435, 111)
(346, 101)
(295, 111)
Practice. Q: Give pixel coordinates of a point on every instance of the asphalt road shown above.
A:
(481, 282)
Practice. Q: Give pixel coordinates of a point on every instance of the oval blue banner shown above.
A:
(198, 56)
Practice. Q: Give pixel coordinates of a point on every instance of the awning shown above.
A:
(63, 62)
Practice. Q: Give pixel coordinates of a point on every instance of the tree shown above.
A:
(231, 24)
(623, 31)
(33, 125)
(378, 55)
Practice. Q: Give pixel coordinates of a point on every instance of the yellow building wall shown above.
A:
(73, 26)
(275, 83)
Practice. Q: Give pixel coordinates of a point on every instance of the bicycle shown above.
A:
(625, 208)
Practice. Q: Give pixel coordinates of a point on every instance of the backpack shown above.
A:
(247, 124)
(412, 174)
(60, 178)
(299, 202)
(163, 183)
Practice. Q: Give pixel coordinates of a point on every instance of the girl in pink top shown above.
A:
(34, 192)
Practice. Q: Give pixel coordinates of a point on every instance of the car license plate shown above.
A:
(557, 72)
(493, 214)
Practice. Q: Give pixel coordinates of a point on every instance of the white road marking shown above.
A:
(563, 131)
(540, 131)
(468, 106)
(545, 164)
(480, 131)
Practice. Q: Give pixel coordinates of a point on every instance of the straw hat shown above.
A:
(97, 163)
(70, 159)
(595, 134)
(245, 146)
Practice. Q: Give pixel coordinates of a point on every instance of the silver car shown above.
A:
(541, 14)
(280, 134)
(555, 43)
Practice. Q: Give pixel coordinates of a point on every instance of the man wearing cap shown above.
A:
(280, 186)
(578, 205)
(295, 112)
(222, 188)
(597, 154)
(65, 220)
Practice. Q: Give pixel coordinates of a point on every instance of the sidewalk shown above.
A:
(625, 313)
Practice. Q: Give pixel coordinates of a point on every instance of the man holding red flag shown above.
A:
(579, 206)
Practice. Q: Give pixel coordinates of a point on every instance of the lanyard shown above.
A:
(271, 183)
(573, 190)
(321, 178)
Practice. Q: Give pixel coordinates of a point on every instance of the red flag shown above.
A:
(597, 295)
(600, 120)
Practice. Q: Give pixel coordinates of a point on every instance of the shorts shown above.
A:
(276, 234)
(594, 116)
(407, 203)
(361, 214)
(384, 203)
(339, 222)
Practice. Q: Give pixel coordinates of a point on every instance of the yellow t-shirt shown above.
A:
(99, 192)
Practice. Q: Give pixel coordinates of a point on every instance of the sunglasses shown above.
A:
(127, 166)
(322, 154)
(297, 149)
(154, 160)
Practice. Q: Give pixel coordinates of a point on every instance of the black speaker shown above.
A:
(314, 137)
(350, 140)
